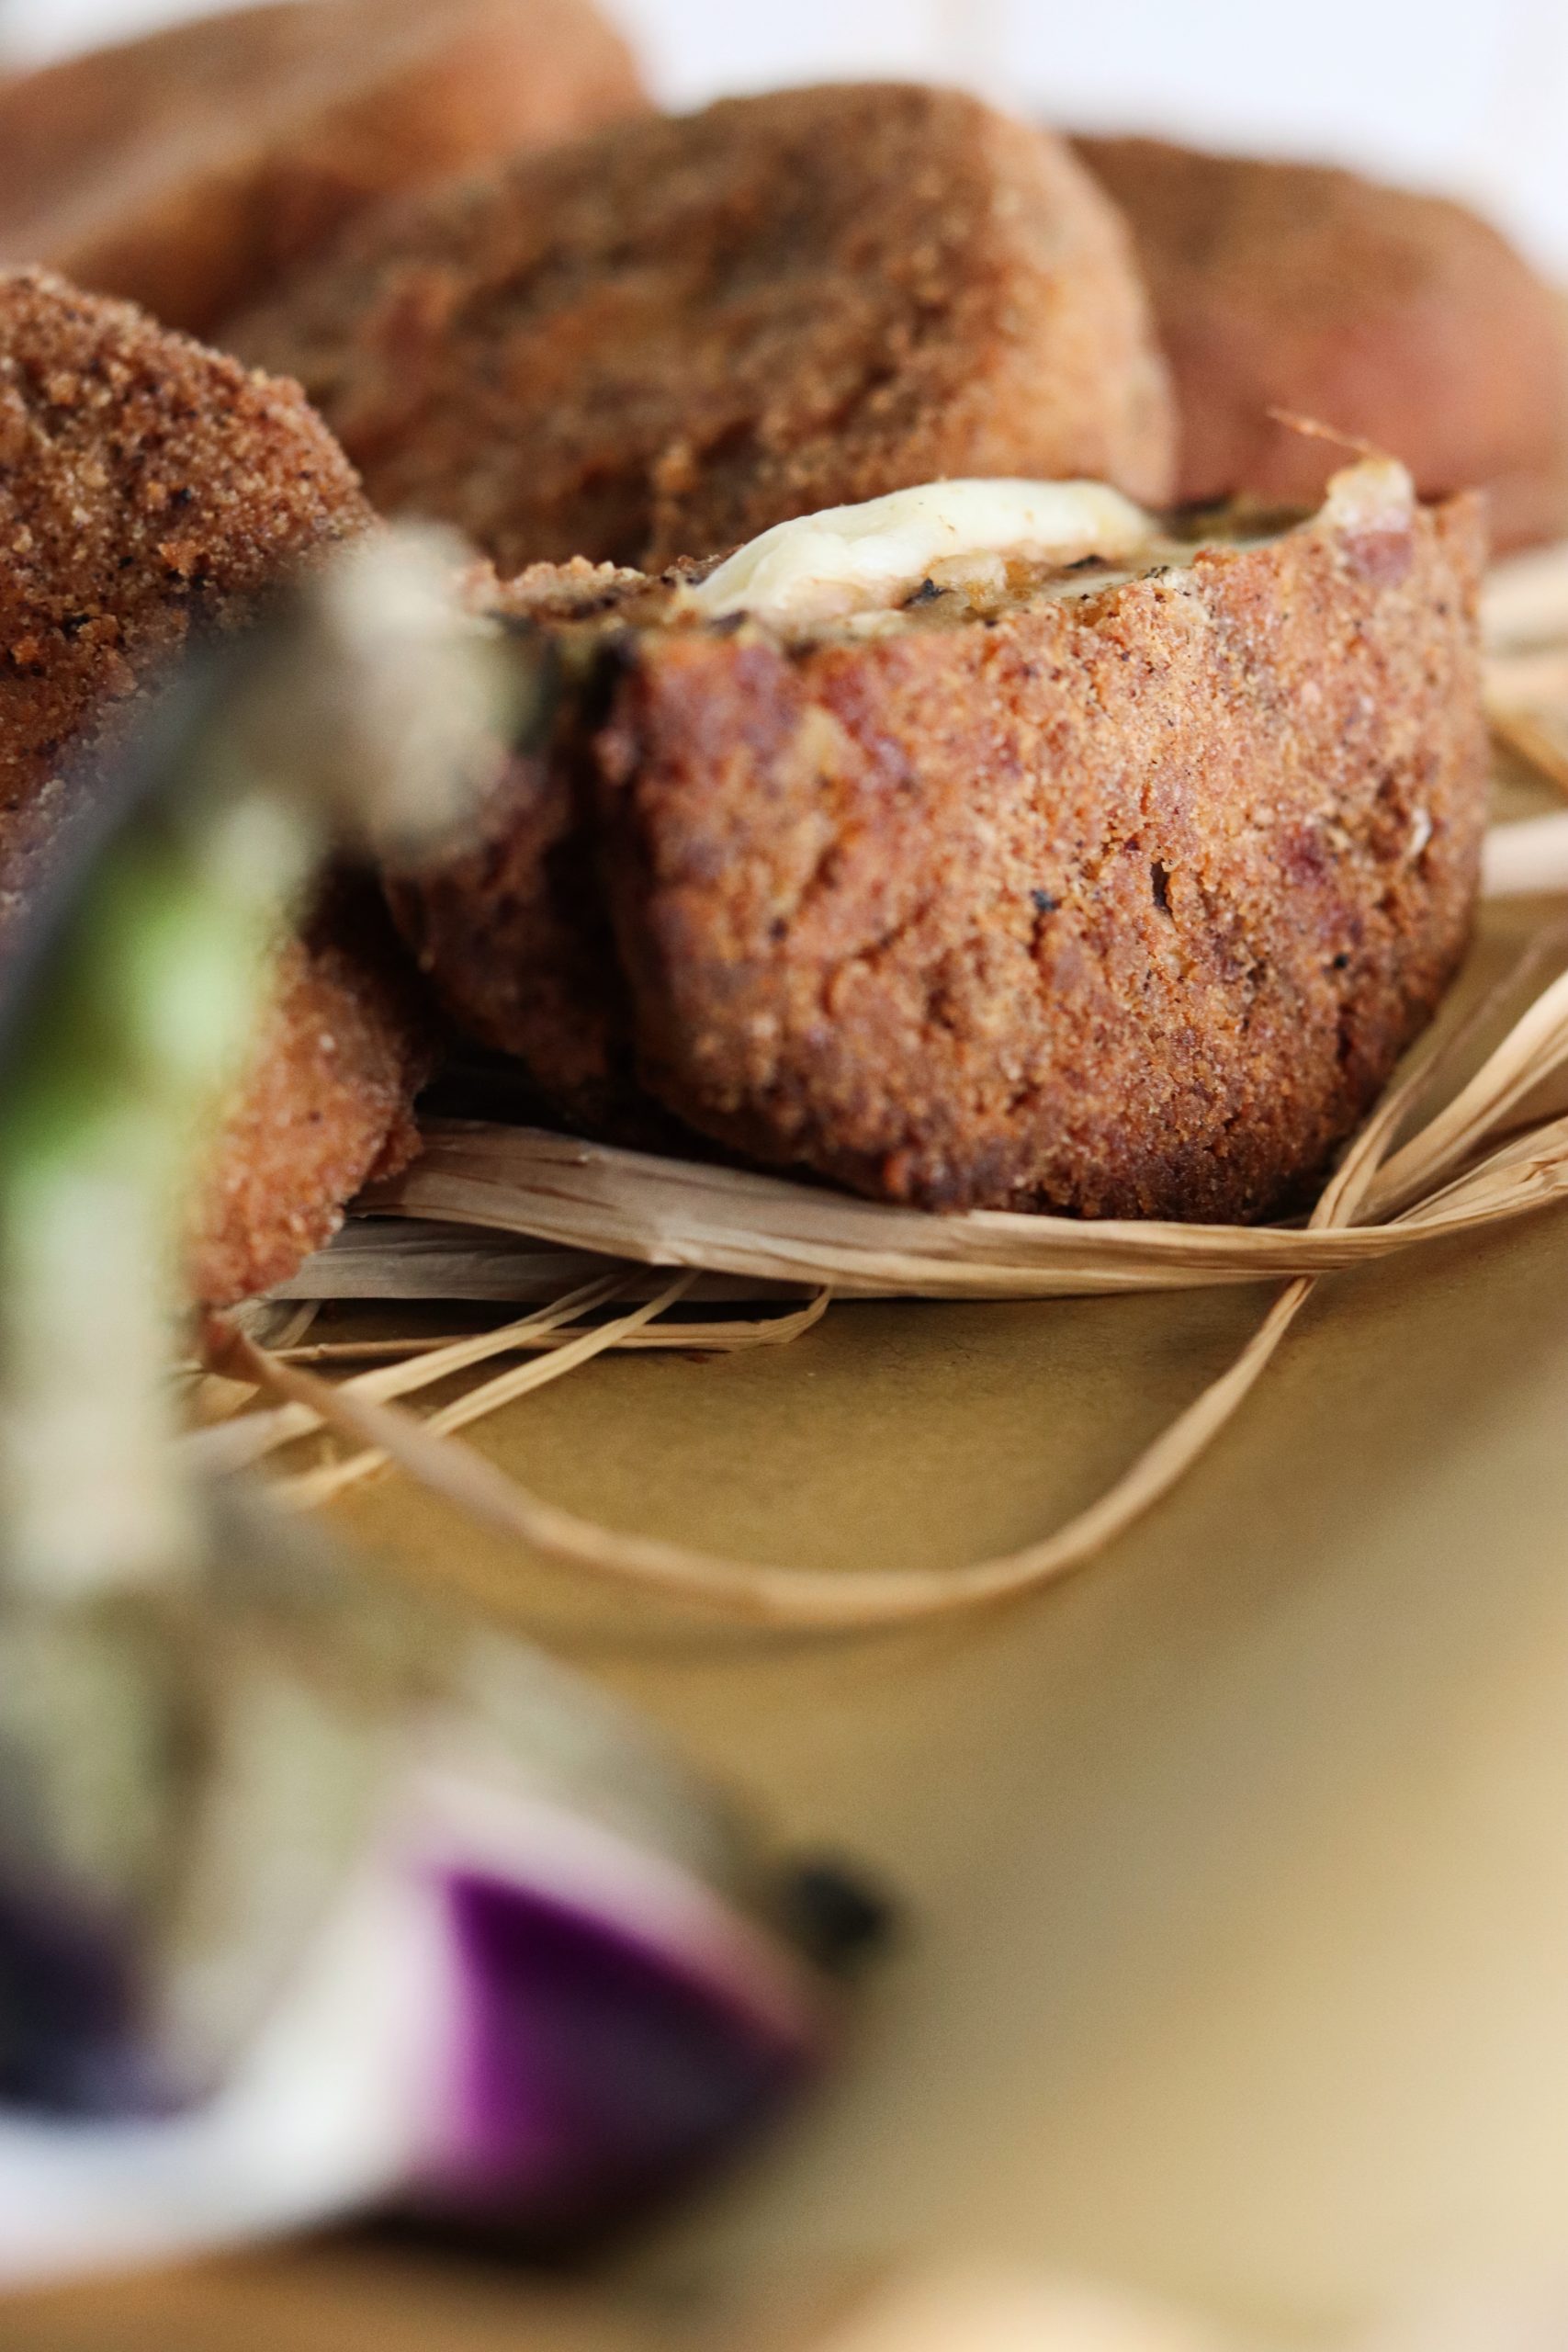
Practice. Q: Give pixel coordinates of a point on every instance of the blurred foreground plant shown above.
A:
(311, 1891)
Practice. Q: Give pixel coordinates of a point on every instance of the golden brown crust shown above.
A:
(1399, 318)
(1122, 905)
(150, 490)
(189, 169)
(327, 1106)
(661, 340)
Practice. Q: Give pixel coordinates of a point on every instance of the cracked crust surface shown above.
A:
(152, 491)
(191, 168)
(1398, 319)
(661, 340)
(1122, 903)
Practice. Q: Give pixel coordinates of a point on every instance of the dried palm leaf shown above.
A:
(734, 1336)
(1532, 738)
(810, 1596)
(320, 1485)
(1526, 860)
(1466, 1168)
(383, 1259)
(246, 1441)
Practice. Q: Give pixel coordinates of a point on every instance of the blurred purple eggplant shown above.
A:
(313, 1893)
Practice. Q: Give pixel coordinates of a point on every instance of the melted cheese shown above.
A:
(872, 557)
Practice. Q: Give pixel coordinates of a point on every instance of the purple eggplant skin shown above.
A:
(163, 1756)
(72, 2039)
(186, 1783)
(211, 1723)
(598, 2071)
(96, 1725)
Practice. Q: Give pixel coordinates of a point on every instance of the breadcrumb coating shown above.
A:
(1114, 895)
(326, 1105)
(1398, 319)
(190, 168)
(149, 489)
(151, 493)
(660, 341)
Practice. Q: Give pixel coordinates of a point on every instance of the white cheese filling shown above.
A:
(1375, 492)
(867, 557)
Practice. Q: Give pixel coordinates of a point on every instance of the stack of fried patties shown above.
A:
(1116, 890)
(152, 492)
(1039, 853)
(190, 168)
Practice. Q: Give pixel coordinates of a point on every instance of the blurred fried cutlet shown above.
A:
(188, 168)
(326, 1105)
(149, 489)
(1397, 319)
(663, 339)
(1112, 891)
(151, 493)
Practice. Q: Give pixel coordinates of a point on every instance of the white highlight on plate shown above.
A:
(323, 2114)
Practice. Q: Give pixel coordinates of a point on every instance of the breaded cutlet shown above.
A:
(189, 168)
(1397, 319)
(1108, 891)
(326, 1106)
(148, 489)
(152, 492)
(660, 340)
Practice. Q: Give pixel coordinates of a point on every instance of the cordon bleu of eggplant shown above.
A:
(972, 856)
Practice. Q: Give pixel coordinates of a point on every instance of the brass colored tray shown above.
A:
(1235, 1889)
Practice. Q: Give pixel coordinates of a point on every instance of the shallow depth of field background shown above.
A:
(1467, 94)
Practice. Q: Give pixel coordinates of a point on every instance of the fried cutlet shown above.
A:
(326, 1106)
(660, 340)
(189, 168)
(152, 491)
(148, 489)
(1397, 319)
(1114, 887)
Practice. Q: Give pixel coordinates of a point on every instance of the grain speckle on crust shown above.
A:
(660, 341)
(1398, 319)
(148, 489)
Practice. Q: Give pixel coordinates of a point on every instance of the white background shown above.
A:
(1471, 94)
